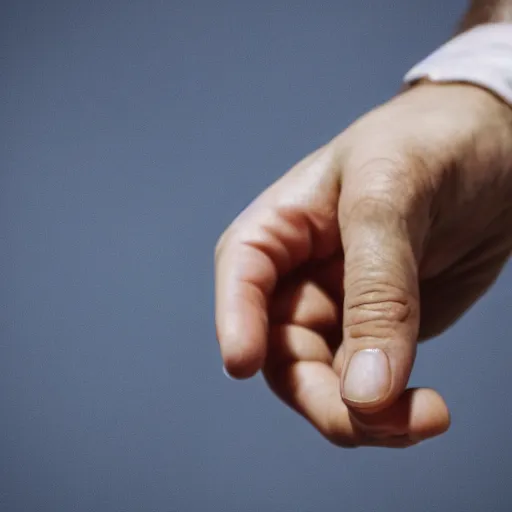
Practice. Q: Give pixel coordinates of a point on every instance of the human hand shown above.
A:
(383, 237)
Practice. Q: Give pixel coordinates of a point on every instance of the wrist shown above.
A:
(468, 106)
(466, 121)
(477, 96)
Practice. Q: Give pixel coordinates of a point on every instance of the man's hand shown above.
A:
(381, 238)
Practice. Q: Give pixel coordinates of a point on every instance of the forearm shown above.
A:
(486, 11)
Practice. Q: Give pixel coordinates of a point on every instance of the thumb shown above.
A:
(381, 305)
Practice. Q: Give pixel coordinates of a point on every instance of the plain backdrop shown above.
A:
(131, 134)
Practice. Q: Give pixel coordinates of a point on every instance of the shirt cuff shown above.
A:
(480, 56)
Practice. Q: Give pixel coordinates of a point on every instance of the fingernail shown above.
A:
(226, 373)
(367, 378)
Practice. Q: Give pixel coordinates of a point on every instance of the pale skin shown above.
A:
(380, 239)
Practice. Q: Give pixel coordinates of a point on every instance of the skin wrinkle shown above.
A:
(369, 274)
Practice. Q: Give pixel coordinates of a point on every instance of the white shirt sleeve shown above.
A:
(481, 56)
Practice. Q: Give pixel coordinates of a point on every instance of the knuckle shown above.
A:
(390, 185)
(376, 310)
(232, 234)
(221, 244)
(370, 208)
(383, 176)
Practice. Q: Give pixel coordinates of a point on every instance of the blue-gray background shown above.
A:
(132, 132)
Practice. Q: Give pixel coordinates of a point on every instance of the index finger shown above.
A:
(244, 278)
(266, 242)
(291, 222)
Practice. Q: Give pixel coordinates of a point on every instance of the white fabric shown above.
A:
(481, 56)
